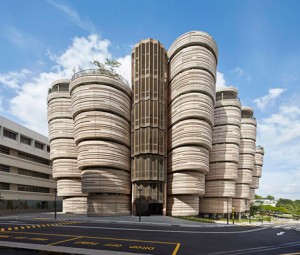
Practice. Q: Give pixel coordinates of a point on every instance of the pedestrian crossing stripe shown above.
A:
(37, 226)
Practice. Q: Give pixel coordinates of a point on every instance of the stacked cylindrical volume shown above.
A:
(101, 113)
(192, 76)
(256, 174)
(242, 197)
(224, 156)
(63, 149)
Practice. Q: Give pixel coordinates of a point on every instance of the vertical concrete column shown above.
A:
(63, 151)
(241, 201)
(149, 126)
(224, 156)
(101, 104)
(192, 77)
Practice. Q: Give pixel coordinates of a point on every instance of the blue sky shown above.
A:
(259, 53)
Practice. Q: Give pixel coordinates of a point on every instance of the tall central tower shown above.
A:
(149, 127)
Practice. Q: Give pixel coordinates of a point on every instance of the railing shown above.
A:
(102, 72)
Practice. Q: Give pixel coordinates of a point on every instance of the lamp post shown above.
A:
(55, 194)
(233, 215)
(227, 211)
(140, 203)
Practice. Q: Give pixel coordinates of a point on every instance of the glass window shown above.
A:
(26, 140)
(10, 134)
(4, 186)
(4, 168)
(39, 145)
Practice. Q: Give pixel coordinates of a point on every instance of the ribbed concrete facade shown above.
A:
(101, 113)
(192, 76)
(241, 201)
(171, 143)
(149, 126)
(63, 149)
(224, 156)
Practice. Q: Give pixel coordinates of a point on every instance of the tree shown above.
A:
(270, 197)
(109, 66)
(258, 197)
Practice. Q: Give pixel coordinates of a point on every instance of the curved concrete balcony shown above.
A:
(252, 194)
(194, 80)
(242, 191)
(193, 57)
(192, 106)
(240, 205)
(103, 154)
(69, 188)
(63, 148)
(184, 158)
(219, 188)
(190, 132)
(186, 183)
(101, 125)
(101, 97)
(246, 161)
(222, 171)
(259, 158)
(250, 121)
(227, 115)
(224, 152)
(248, 131)
(244, 176)
(108, 205)
(65, 168)
(247, 112)
(61, 128)
(149, 140)
(193, 38)
(97, 76)
(215, 205)
(148, 167)
(226, 134)
(255, 183)
(257, 170)
(226, 93)
(59, 108)
(106, 181)
(75, 205)
(183, 205)
(247, 146)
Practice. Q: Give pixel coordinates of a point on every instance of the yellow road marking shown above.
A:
(9, 229)
(297, 253)
(22, 227)
(28, 227)
(33, 226)
(38, 226)
(97, 237)
(2, 229)
(65, 240)
(16, 228)
(176, 249)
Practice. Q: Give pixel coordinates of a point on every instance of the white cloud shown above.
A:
(1, 104)
(30, 105)
(269, 99)
(13, 79)
(220, 80)
(279, 133)
(73, 15)
(241, 74)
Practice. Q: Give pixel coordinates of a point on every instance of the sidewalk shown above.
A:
(145, 220)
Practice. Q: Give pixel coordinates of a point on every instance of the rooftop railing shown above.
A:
(100, 72)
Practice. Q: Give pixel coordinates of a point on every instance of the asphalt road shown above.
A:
(116, 238)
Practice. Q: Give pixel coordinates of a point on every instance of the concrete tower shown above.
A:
(246, 160)
(101, 112)
(149, 126)
(192, 76)
(256, 174)
(63, 151)
(224, 156)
